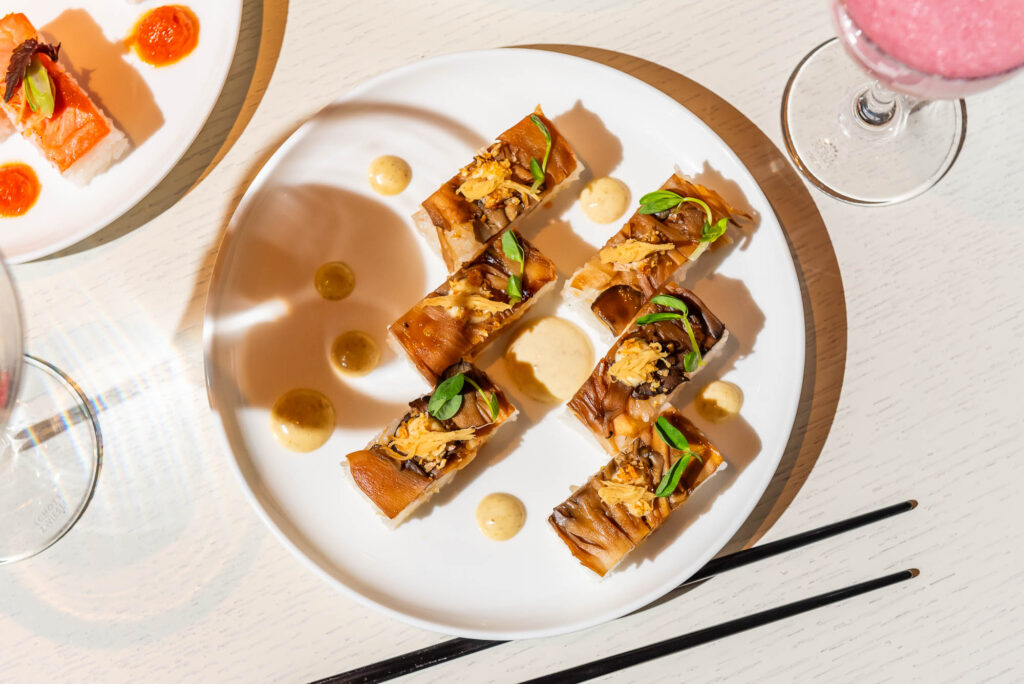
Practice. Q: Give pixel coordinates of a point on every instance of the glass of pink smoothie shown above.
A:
(887, 125)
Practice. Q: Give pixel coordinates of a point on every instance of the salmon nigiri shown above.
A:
(71, 132)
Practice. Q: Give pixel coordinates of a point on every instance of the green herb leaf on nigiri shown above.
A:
(38, 90)
(22, 58)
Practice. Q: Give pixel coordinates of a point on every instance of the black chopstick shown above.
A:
(458, 647)
(702, 636)
(732, 561)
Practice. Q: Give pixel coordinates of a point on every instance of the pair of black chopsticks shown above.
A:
(458, 647)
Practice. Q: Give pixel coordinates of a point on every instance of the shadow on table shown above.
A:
(112, 82)
(259, 44)
(140, 566)
(817, 268)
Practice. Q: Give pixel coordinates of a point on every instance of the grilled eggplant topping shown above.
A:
(641, 371)
(497, 188)
(407, 463)
(650, 248)
(616, 509)
(455, 321)
(617, 305)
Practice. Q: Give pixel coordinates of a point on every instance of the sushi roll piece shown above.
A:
(621, 505)
(440, 434)
(525, 167)
(486, 295)
(671, 229)
(674, 336)
(47, 106)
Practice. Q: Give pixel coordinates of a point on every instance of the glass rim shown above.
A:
(915, 71)
(17, 340)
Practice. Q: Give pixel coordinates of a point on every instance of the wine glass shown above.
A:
(887, 125)
(50, 446)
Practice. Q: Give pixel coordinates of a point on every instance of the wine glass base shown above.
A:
(50, 458)
(852, 160)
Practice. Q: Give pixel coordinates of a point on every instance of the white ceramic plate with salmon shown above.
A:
(160, 109)
(268, 331)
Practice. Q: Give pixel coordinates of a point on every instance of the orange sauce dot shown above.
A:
(19, 189)
(165, 35)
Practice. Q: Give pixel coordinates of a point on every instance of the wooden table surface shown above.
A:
(915, 337)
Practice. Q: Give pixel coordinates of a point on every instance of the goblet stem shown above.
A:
(877, 105)
(861, 142)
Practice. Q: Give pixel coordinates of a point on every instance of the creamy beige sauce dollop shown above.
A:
(549, 358)
(389, 175)
(354, 353)
(334, 280)
(719, 401)
(302, 420)
(500, 516)
(604, 200)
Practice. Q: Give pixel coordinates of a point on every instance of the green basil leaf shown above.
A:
(710, 233)
(691, 364)
(675, 473)
(38, 91)
(514, 287)
(543, 129)
(670, 434)
(659, 316)
(669, 483)
(691, 361)
(447, 398)
(547, 137)
(659, 201)
(449, 408)
(538, 175)
(511, 247)
(659, 195)
(673, 302)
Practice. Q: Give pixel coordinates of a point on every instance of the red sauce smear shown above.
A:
(19, 189)
(165, 35)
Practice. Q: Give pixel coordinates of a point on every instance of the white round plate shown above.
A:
(161, 110)
(268, 331)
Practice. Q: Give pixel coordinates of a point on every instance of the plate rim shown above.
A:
(252, 192)
(171, 161)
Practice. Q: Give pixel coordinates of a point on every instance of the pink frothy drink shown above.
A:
(935, 48)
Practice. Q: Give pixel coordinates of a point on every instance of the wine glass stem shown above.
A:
(876, 106)
(7, 454)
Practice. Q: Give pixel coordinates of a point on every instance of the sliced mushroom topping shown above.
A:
(512, 209)
(617, 306)
(669, 374)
